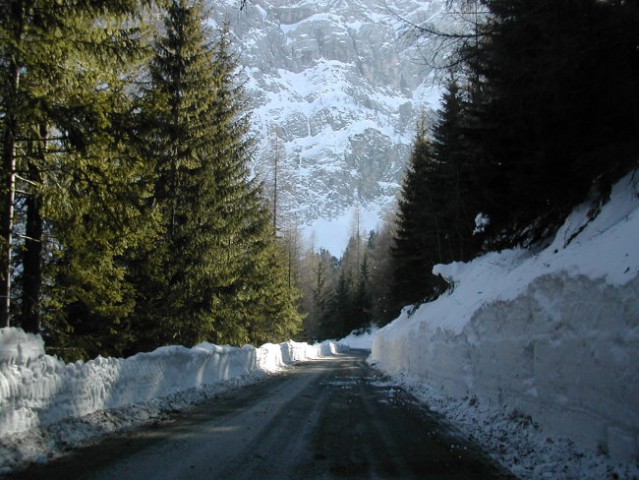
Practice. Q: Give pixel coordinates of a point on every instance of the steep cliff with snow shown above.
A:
(552, 336)
(335, 88)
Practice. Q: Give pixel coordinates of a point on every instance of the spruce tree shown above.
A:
(180, 126)
(419, 241)
(92, 201)
(381, 274)
(438, 205)
(266, 307)
(58, 63)
(214, 258)
(454, 163)
(552, 121)
(256, 274)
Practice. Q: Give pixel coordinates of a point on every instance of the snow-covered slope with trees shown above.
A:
(551, 336)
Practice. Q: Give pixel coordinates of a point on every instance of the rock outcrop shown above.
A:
(335, 87)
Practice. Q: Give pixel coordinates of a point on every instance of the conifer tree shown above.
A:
(318, 287)
(336, 318)
(421, 225)
(436, 211)
(214, 258)
(266, 307)
(552, 123)
(362, 301)
(55, 59)
(383, 309)
(92, 201)
(454, 164)
(175, 302)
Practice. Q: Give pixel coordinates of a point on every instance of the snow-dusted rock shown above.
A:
(335, 88)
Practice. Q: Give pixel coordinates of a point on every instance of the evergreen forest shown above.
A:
(540, 112)
(129, 215)
(130, 218)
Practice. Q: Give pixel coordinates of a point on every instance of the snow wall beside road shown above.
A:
(37, 390)
(553, 335)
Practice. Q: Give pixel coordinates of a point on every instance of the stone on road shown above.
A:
(325, 419)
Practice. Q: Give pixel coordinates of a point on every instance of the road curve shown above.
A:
(326, 419)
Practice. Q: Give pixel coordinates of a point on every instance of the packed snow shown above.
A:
(48, 406)
(535, 354)
(360, 340)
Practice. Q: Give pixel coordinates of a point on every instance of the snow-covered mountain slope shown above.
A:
(335, 88)
(549, 337)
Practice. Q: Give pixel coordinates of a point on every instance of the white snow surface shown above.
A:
(48, 406)
(536, 353)
(360, 340)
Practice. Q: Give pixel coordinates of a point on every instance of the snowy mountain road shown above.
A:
(330, 418)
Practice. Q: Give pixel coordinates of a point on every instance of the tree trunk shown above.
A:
(7, 198)
(32, 258)
(8, 173)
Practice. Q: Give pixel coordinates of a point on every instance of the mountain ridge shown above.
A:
(335, 90)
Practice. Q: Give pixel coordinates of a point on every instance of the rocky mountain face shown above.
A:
(335, 88)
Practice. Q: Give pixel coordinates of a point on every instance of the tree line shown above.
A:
(540, 113)
(128, 212)
(129, 217)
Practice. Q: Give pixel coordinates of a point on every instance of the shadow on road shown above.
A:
(325, 419)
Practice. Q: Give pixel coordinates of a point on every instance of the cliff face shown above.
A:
(335, 87)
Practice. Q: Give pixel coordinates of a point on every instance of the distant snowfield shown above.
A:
(334, 234)
(536, 354)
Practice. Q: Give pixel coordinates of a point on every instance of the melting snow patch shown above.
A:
(516, 441)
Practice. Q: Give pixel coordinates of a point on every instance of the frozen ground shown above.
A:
(536, 354)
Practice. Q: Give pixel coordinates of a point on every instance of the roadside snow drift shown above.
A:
(37, 390)
(551, 335)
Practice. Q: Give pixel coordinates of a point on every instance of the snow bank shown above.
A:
(37, 390)
(360, 340)
(17, 346)
(551, 335)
